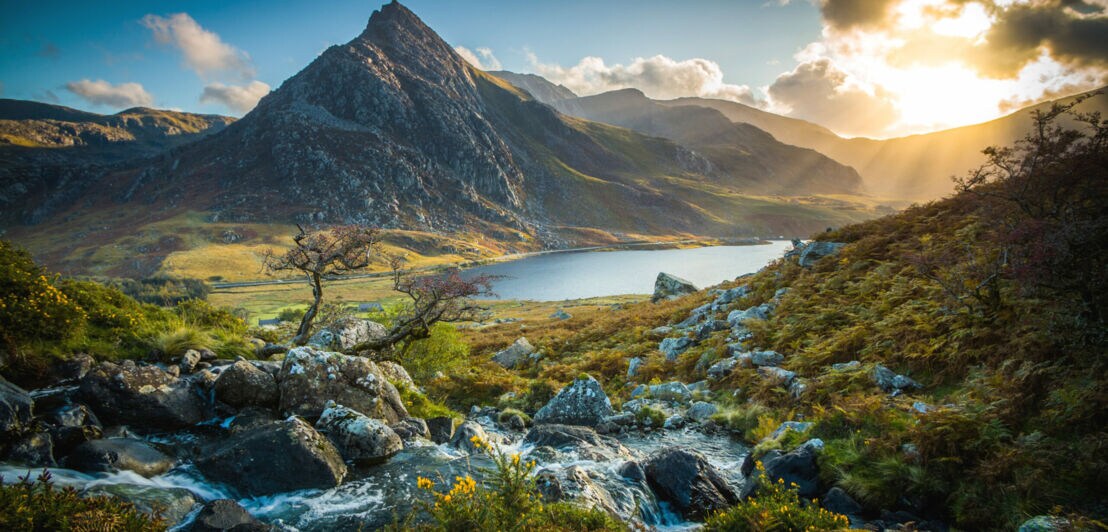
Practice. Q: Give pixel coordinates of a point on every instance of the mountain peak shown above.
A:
(392, 22)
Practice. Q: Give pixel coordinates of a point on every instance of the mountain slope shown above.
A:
(916, 167)
(747, 156)
(538, 87)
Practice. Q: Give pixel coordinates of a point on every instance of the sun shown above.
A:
(942, 96)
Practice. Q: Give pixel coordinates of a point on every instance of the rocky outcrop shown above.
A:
(358, 438)
(284, 456)
(688, 482)
(226, 514)
(668, 286)
(582, 402)
(118, 454)
(347, 333)
(242, 384)
(145, 396)
(515, 355)
(310, 377)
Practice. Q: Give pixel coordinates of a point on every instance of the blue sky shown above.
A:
(46, 45)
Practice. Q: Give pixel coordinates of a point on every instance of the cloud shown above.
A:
(846, 14)
(483, 59)
(1078, 38)
(240, 99)
(819, 91)
(658, 77)
(204, 52)
(101, 92)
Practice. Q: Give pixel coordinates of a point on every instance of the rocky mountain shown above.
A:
(741, 152)
(916, 167)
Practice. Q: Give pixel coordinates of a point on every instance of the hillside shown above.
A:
(916, 167)
(395, 129)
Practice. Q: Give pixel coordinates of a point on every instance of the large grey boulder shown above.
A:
(687, 481)
(582, 402)
(807, 254)
(672, 347)
(396, 374)
(242, 384)
(310, 377)
(144, 396)
(284, 456)
(673, 391)
(118, 454)
(766, 358)
(16, 412)
(465, 433)
(737, 318)
(668, 286)
(359, 439)
(515, 354)
(226, 514)
(347, 333)
(574, 484)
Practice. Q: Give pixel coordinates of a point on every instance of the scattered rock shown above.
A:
(441, 429)
(891, 382)
(242, 384)
(838, 501)
(846, 366)
(582, 402)
(672, 347)
(120, 454)
(675, 421)
(722, 368)
(807, 254)
(574, 483)
(631, 470)
(673, 391)
(33, 450)
(700, 410)
(464, 434)
(515, 354)
(348, 333)
(309, 378)
(797, 388)
(783, 377)
(704, 330)
(284, 456)
(172, 503)
(189, 360)
(561, 314)
(797, 466)
(688, 482)
(737, 318)
(16, 411)
(1045, 523)
(766, 358)
(411, 428)
(358, 438)
(145, 396)
(668, 286)
(633, 366)
(659, 332)
(226, 514)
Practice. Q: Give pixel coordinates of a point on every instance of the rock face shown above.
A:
(688, 482)
(242, 384)
(309, 378)
(284, 456)
(120, 454)
(515, 354)
(582, 402)
(16, 411)
(358, 438)
(347, 333)
(668, 286)
(226, 514)
(141, 395)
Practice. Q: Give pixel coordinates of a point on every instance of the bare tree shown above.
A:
(324, 253)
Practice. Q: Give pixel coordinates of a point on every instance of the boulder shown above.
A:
(688, 482)
(242, 384)
(672, 347)
(396, 374)
(441, 429)
(358, 438)
(722, 368)
(143, 396)
(567, 436)
(633, 366)
(347, 333)
(1045, 523)
(582, 402)
(283, 456)
(846, 366)
(808, 254)
(891, 382)
(575, 484)
(118, 454)
(561, 314)
(189, 361)
(786, 426)
(34, 450)
(411, 428)
(673, 391)
(465, 434)
(737, 318)
(797, 466)
(515, 354)
(310, 377)
(16, 411)
(838, 501)
(704, 330)
(226, 514)
(632, 470)
(700, 410)
(173, 504)
(766, 358)
(668, 286)
(783, 377)
(675, 421)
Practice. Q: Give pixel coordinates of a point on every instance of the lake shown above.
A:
(572, 275)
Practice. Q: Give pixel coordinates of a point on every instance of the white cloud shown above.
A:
(818, 90)
(482, 59)
(101, 92)
(204, 52)
(240, 99)
(658, 77)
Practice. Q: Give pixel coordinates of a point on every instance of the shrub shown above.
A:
(774, 507)
(442, 351)
(32, 307)
(650, 416)
(421, 406)
(174, 343)
(507, 500)
(39, 505)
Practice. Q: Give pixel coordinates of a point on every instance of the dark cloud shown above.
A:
(1077, 38)
(848, 14)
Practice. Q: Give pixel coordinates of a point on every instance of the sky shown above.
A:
(875, 68)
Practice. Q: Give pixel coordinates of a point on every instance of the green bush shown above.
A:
(39, 505)
(442, 351)
(775, 507)
(421, 406)
(32, 307)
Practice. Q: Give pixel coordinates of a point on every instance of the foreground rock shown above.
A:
(118, 454)
(284, 456)
(243, 384)
(358, 438)
(515, 355)
(226, 514)
(16, 412)
(583, 440)
(668, 286)
(310, 377)
(348, 333)
(582, 402)
(465, 435)
(688, 482)
(145, 396)
(174, 504)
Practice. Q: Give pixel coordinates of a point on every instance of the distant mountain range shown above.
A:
(916, 167)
